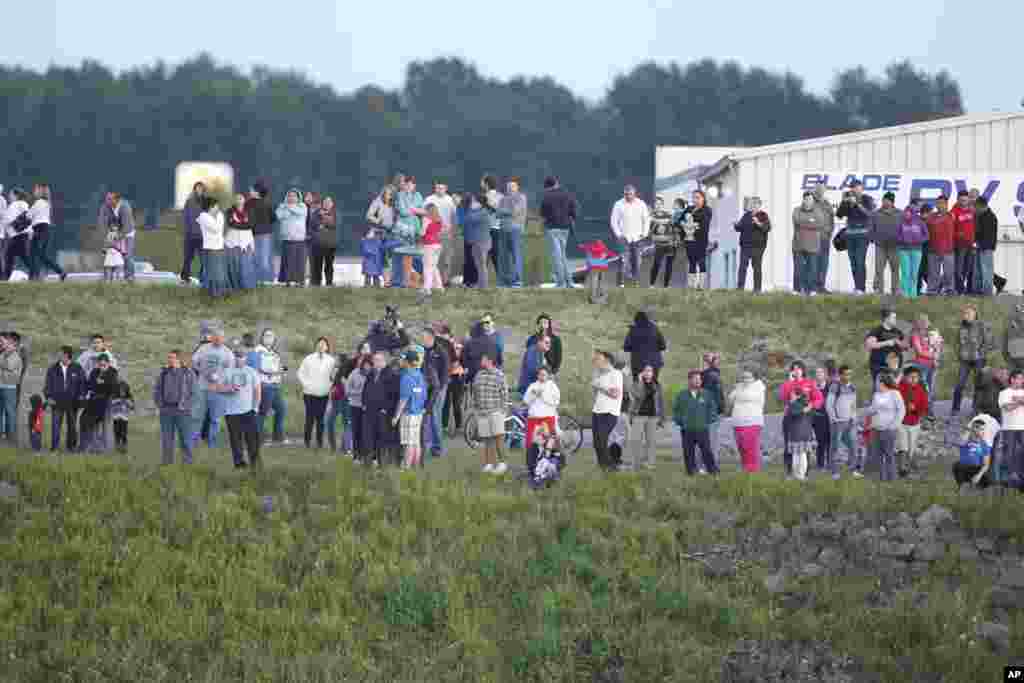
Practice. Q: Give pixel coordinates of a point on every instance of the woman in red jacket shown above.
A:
(941, 231)
(797, 385)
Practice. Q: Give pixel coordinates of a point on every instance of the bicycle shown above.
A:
(570, 433)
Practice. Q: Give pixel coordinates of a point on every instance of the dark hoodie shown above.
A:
(752, 236)
(986, 229)
(553, 357)
(261, 211)
(189, 216)
(477, 346)
(644, 343)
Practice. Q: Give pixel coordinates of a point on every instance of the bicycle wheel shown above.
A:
(570, 434)
(469, 431)
(515, 432)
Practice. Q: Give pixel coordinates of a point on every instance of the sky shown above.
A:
(583, 45)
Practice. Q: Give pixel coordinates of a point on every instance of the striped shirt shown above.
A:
(489, 391)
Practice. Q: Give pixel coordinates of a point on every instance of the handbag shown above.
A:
(839, 241)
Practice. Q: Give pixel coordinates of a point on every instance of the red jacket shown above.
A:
(806, 385)
(963, 232)
(941, 227)
(433, 233)
(916, 401)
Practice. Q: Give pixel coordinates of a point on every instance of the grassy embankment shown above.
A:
(115, 569)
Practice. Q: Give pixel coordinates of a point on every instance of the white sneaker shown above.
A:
(857, 475)
(500, 468)
(813, 294)
(488, 469)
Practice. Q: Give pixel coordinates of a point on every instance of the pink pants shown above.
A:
(748, 442)
(431, 274)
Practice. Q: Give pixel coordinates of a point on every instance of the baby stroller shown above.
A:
(545, 462)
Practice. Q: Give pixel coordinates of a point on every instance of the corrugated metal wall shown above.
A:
(981, 145)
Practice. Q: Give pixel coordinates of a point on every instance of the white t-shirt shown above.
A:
(445, 206)
(212, 226)
(631, 221)
(1013, 420)
(542, 399)
(604, 404)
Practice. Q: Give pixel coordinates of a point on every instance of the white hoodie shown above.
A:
(631, 221)
(15, 209)
(212, 226)
(316, 374)
(542, 399)
(748, 404)
(40, 212)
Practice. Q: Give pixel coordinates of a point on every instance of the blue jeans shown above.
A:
(398, 272)
(806, 272)
(171, 425)
(264, 246)
(986, 263)
(511, 254)
(557, 238)
(433, 430)
(9, 410)
(271, 399)
(843, 436)
(857, 249)
(336, 409)
(207, 403)
(910, 264)
(966, 368)
(129, 258)
(823, 254)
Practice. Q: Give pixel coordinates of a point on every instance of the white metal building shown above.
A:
(917, 160)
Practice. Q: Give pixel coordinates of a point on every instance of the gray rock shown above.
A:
(997, 635)
(813, 570)
(8, 490)
(1013, 578)
(776, 583)
(831, 558)
(985, 545)
(832, 531)
(931, 551)
(935, 516)
(1007, 598)
(720, 568)
(900, 551)
(777, 533)
(968, 553)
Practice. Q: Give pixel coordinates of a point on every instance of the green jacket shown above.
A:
(694, 414)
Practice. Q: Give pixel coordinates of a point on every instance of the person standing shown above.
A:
(808, 225)
(10, 377)
(542, 399)
(241, 385)
(292, 213)
(534, 359)
(354, 384)
(1011, 401)
(857, 208)
(213, 256)
(191, 231)
(172, 395)
(665, 236)
(558, 210)
(512, 210)
(476, 237)
(484, 340)
(986, 235)
(239, 247)
(99, 390)
(694, 412)
(753, 228)
(412, 402)
(546, 328)
(884, 233)
(260, 210)
(491, 200)
(829, 213)
(64, 386)
(315, 375)
(324, 244)
(407, 228)
(915, 400)
(647, 408)
(490, 397)
(607, 386)
(39, 214)
(941, 259)
(380, 400)
(697, 242)
(456, 390)
(747, 400)
(963, 242)
(431, 244)
(3, 232)
(16, 225)
(630, 223)
(913, 234)
(645, 345)
(841, 407)
(447, 209)
(887, 412)
(210, 362)
(881, 340)
(436, 367)
(974, 342)
(266, 360)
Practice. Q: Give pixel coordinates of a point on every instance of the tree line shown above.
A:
(87, 129)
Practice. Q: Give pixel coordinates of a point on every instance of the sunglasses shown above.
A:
(487, 322)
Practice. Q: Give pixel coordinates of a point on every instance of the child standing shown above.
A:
(916, 402)
(802, 445)
(887, 411)
(841, 406)
(122, 405)
(597, 270)
(431, 242)
(35, 422)
(412, 402)
(371, 247)
(113, 257)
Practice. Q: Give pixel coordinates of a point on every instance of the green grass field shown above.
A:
(117, 569)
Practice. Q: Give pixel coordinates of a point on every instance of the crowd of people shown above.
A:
(399, 399)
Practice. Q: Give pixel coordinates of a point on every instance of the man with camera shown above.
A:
(857, 209)
(388, 334)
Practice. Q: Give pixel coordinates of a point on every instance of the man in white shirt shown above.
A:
(446, 206)
(1011, 403)
(607, 387)
(631, 223)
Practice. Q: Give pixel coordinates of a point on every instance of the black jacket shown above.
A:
(702, 217)
(558, 209)
(711, 382)
(479, 345)
(986, 395)
(856, 214)
(380, 393)
(382, 338)
(261, 215)
(56, 389)
(986, 230)
(645, 345)
(752, 236)
(553, 357)
(435, 367)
